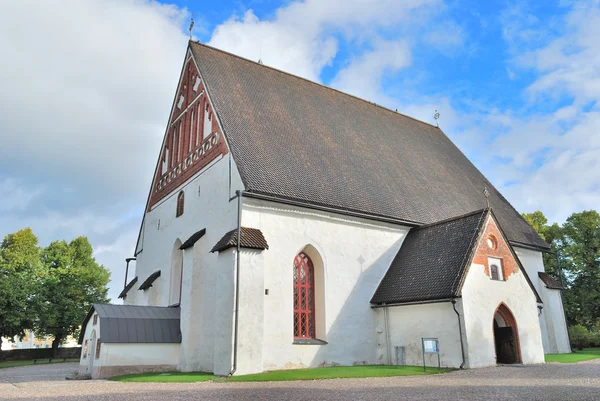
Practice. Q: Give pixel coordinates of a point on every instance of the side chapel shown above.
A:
(291, 225)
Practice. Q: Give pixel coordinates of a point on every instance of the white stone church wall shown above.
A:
(408, 324)
(481, 297)
(552, 319)
(355, 253)
(207, 205)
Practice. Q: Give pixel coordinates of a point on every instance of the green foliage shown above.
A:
(583, 355)
(47, 290)
(577, 242)
(72, 281)
(580, 336)
(19, 280)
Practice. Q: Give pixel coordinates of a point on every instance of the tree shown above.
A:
(72, 281)
(552, 235)
(581, 251)
(577, 244)
(19, 280)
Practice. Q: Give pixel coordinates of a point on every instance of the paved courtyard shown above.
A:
(540, 382)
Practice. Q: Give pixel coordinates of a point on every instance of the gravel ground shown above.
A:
(579, 381)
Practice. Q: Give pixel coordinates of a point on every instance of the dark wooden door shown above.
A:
(506, 350)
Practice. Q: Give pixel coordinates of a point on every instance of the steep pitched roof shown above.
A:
(431, 261)
(251, 238)
(297, 140)
(135, 324)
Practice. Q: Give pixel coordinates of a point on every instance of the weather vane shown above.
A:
(437, 117)
(486, 193)
(191, 27)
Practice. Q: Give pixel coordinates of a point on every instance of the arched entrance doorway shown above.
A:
(506, 336)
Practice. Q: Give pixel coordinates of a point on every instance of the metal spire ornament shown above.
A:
(437, 117)
(191, 27)
(486, 193)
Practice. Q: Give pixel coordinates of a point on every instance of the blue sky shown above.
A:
(88, 87)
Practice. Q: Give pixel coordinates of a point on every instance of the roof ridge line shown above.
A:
(315, 83)
(451, 219)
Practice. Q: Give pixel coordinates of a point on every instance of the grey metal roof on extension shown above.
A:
(136, 324)
(431, 261)
(297, 140)
(250, 238)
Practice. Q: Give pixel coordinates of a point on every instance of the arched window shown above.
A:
(494, 272)
(180, 201)
(304, 297)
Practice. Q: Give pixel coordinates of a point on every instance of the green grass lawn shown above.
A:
(285, 375)
(12, 364)
(576, 356)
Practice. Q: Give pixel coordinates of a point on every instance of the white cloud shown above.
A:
(363, 76)
(88, 84)
(301, 38)
(86, 91)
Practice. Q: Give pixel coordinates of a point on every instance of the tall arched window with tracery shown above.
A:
(180, 202)
(304, 297)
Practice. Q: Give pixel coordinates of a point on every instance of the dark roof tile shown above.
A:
(123, 293)
(148, 282)
(431, 261)
(298, 140)
(250, 238)
(550, 282)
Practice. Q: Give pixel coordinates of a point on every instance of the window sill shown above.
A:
(308, 341)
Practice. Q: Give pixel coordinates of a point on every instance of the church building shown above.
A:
(291, 225)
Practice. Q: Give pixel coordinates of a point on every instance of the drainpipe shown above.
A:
(386, 324)
(462, 346)
(237, 283)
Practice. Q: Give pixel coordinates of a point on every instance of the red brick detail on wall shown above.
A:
(187, 149)
(501, 251)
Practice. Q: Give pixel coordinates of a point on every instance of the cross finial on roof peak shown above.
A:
(486, 193)
(191, 27)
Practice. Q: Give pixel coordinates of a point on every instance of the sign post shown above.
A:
(430, 346)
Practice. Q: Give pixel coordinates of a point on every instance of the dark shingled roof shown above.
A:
(550, 282)
(297, 140)
(123, 293)
(135, 324)
(250, 238)
(192, 240)
(431, 261)
(148, 282)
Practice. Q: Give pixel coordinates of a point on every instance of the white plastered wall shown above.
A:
(84, 359)
(481, 297)
(355, 253)
(408, 324)
(552, 319)
(207, 205)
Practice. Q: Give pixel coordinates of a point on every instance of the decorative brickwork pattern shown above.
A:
(499, 249)
(193, 137)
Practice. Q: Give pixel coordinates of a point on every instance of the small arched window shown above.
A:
(494, 272)
(304, 297)
(180, 201)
